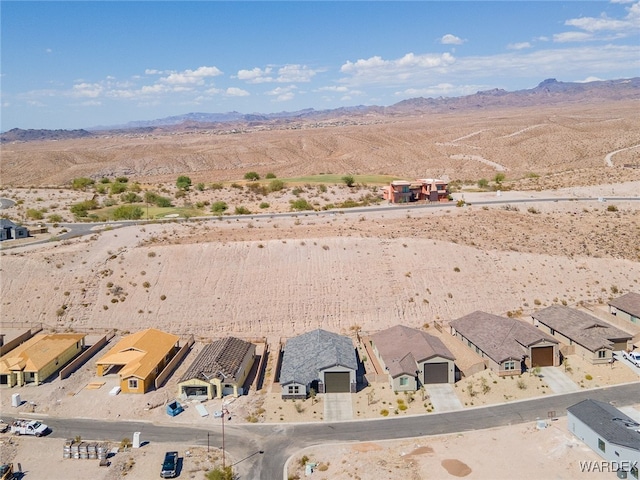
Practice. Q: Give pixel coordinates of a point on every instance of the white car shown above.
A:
(633, 357)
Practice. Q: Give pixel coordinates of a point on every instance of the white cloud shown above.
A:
(589, 79)
(236, 92)
(332, 89)
(91, 90)
(283, 94)
(256, 75)
(519, 46)
(48, 50)
(376, 70)
(566, 37)
(285, 74)
(450, 39)
(628, 25)
(191, 77)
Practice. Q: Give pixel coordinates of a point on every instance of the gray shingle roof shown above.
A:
(307, 354)
(629, 303)
(608, 422)
(500, 338)
(402, 348)
(222, 356)
(6, 223)
(582, 328)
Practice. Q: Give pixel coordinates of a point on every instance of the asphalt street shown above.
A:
(280, 441)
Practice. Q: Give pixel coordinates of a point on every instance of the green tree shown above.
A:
(183, 182)
(483, 183)
(219, 207)
(348, 180)
(128, 212)
(81, 209)
(81, 183)
(499, 178)
(251, 176)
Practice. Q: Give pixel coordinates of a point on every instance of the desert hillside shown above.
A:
(533, 142)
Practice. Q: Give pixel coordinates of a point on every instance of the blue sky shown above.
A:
(83, 64)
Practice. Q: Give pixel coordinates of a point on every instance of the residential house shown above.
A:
(427, 189)
(593, 339)
(321, 360)
(626, 307)
(219, 369)
(412, 357)
(139, 358)
(11, 231)
(35, 360)
(608, 432)
(508, 345)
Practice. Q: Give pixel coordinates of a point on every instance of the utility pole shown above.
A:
(224, 412)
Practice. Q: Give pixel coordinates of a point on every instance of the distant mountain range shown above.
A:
(548, 92)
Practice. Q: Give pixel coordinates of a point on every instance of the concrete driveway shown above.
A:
(557, 380)
(620, 359)
(443, 397)
(338, 407)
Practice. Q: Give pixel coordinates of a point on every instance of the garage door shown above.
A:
(337, 382)
(436, 373)
(542, 357)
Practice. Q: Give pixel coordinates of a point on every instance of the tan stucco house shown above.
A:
(626, 307)
(38, 358)
(219, 369)
(139, 358)
(412, 358)
(592, 339)
(509, 346)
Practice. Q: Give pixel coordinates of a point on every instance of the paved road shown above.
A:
(279, 441)
(6, 203)
(81, 229)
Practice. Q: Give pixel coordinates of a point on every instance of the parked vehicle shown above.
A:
(633, 357)
(29, 427)
(170, 465)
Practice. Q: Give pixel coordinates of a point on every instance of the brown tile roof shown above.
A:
(500, 338)
(222, 358)
(629, 303)
(402, 348)
(140, 352)
(38, 351)
(582, 328)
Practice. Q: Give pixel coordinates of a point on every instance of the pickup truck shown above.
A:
(29, 427)
(170, 465)
(633, 357)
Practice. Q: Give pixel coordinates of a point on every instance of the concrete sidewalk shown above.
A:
(557, 380)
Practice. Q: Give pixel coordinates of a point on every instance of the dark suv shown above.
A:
(170, 465)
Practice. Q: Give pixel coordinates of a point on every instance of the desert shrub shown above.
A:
(251, 176)
(264, 205)
(533, 210)
(122, 179)
(220, 473)
(322, 188)
(612, 208)
(217, 186)
(276, 185)
(81, 183)
(483, 183)
(34, 214)
(219, 206)
(183, 182)
(384, 412)
(200, 187)
(130, 197)
(521, 385)
(242, 210)
(81, 209)
(300, 204)
(105, 180)
(127, 212)
(348, 180)
(257, 188)
(270, 175)
(55, 218)
(118, 187)
(588, 377)
(499, 178)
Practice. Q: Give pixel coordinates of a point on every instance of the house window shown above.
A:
(133, 384)
(404, 381)
(553, 332)
(601, 444)
(602, 354)
(294, 389)
(510, 365)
